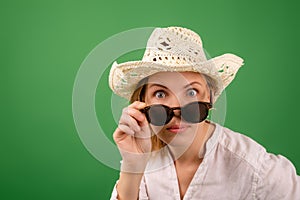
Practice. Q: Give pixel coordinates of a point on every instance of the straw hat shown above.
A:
(173, 49)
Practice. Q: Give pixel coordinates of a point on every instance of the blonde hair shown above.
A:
(139, 95)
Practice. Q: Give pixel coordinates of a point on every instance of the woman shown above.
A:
(169, 149)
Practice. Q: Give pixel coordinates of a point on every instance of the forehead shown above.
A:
(176, 79)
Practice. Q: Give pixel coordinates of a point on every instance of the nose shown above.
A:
(177, 112)
(175, 103)
(176, 116)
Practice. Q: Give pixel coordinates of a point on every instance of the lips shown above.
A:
(177, 128)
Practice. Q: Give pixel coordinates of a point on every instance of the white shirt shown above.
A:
(234, 167)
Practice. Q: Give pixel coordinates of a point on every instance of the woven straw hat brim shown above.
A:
(124, 77)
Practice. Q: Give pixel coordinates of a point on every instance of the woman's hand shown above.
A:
(133, 138)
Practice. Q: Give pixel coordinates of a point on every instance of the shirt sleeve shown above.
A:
(142, 193)
(277, 179)
(114, 195)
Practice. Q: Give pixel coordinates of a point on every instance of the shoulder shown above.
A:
(273, 176)
(240, 146)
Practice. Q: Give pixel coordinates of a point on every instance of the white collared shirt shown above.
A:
(234, 167)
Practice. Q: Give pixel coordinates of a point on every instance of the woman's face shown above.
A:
(176, 89)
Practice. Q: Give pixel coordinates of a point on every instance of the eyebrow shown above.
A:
(192, 83)
(157, 85)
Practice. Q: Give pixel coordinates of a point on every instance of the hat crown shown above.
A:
(174, 45)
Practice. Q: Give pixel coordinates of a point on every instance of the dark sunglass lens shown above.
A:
(157, 115)
(194, 112)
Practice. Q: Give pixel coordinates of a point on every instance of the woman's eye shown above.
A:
(160, 94)
(192, 92)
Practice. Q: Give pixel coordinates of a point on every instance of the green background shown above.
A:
(43, 44)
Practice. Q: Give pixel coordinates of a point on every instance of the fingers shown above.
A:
(137, 105)
(125, 128)
(139, 116)
(133, 110)
(129, 121)
(132, 119)
(133, 132)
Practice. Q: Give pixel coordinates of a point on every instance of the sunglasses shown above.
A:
(160, 115)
